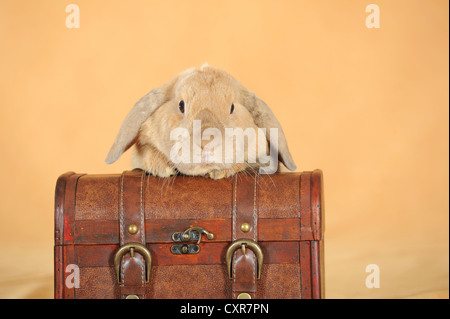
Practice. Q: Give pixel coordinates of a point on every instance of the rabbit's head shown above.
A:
(201, 121)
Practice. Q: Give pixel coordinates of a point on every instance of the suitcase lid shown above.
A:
(87, 207)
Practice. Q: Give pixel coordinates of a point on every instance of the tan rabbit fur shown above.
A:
(203, 94)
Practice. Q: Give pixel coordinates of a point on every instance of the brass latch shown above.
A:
(190, 234)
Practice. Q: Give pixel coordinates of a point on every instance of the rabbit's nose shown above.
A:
(209, 119)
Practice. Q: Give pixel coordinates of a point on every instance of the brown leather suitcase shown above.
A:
(132, 235)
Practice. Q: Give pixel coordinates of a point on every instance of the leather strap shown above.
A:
(245, 210)
(131, 212)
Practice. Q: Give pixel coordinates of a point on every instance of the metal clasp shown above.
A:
(132, 247)
(190, 234)
(243, 244)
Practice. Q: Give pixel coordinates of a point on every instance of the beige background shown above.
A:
(367, 106)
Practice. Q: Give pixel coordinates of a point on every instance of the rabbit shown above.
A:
(206, 96)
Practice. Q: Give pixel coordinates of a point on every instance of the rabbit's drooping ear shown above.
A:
(264, 118)
(138, 114)
(133, 121)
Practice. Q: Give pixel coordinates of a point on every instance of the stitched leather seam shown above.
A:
(234, 231)
(234, 275)
(234, 208)
(142, 232)
(254, 269)
(255, 228)
(255, 213)
(142, 213)
(122, 275)
(121, 210)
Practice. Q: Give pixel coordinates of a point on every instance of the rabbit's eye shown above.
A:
(181, 106)
(232, 109)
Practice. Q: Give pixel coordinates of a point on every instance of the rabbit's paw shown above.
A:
(219, 174)
(163, 172)
(169, 171)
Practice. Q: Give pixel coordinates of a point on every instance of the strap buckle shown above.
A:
(243, 244)
(132, 247)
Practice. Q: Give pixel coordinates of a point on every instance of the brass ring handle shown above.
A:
(132, 247)
(243, 243)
